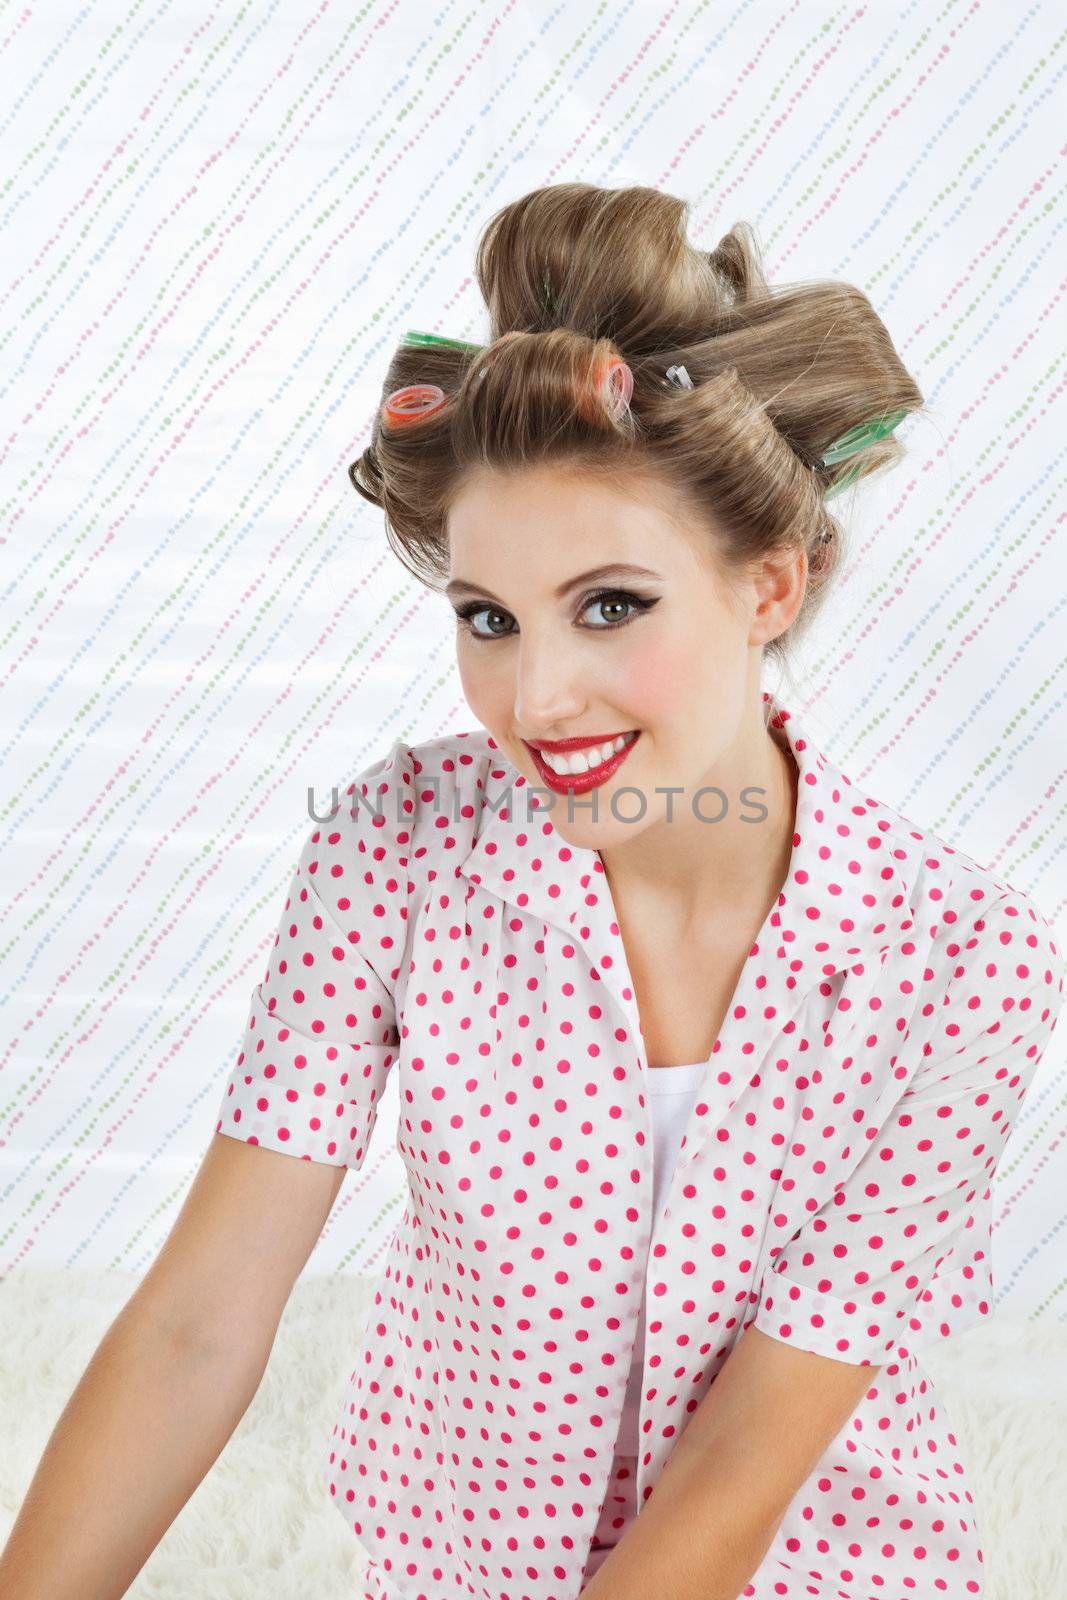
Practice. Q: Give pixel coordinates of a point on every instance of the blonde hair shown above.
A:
(574, 274)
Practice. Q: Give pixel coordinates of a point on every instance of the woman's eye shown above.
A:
(614, 605)
(465, 616)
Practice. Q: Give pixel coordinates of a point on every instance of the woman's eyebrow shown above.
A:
(617, 569)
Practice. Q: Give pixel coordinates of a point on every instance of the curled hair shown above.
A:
(573, 274)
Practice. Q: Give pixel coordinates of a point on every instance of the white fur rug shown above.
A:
(260, 1526)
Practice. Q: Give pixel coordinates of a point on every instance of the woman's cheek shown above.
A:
(487, 688)
(658, 682)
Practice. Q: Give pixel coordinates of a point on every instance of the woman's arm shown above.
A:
(145, 1423)
(171, 1378)
(753, 1440)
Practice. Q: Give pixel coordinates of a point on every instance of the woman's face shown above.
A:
(550, 647)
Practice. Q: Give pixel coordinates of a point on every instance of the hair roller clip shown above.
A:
(431, 340)
(857, 438)
(863, 434)
(679, 377)
(413, 403)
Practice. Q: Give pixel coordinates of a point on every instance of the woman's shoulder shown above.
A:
(964, 886)
(459, 759)
(420, 802)
(977, 914)
(449, 762)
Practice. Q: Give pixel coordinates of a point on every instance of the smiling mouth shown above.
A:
(574, 763)
(582, 769)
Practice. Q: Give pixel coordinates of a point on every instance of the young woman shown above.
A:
(704, 1058)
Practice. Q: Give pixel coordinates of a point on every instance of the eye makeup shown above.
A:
(639, 604)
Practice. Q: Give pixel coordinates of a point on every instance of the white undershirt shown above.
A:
(672, 1091)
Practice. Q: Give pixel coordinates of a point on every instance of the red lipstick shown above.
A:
(580, 742)
(578, 782)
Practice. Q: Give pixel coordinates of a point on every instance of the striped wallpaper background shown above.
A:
(217, 221)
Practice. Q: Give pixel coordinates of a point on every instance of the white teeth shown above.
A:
(585, 760)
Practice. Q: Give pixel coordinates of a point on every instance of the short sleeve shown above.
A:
(854, 1282)
(321, 1033)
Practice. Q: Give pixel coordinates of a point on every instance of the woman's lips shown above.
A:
(579, 782)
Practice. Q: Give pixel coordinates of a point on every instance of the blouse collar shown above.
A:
(851, 892)
(848, 886)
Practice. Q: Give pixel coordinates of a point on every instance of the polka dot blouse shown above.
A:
(832, 1186)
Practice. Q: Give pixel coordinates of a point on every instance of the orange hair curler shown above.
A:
(412, 404)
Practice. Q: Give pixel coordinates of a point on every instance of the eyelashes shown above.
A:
(466, 613)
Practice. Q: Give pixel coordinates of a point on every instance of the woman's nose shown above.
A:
(548, 691)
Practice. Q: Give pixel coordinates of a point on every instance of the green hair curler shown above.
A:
(413, 337)
(863, 434)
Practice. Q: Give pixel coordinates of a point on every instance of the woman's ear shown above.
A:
(779, 584)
